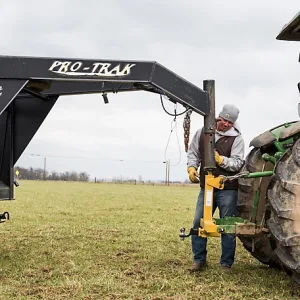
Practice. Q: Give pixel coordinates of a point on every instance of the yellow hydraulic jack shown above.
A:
(208, 225)
(213, 227)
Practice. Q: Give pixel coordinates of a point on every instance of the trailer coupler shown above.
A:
(4, 216)
(182, 235)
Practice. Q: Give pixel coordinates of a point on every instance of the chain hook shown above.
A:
(186, 127)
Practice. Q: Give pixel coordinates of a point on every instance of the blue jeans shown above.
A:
(226, 201)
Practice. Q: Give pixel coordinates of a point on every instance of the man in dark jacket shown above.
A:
(229, 156)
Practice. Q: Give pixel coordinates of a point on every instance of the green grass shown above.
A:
(101, 241)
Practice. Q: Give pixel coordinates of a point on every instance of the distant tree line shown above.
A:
(138, 181)
(41, 174)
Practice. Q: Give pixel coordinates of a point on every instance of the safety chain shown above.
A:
(186, 127)
(236, 176)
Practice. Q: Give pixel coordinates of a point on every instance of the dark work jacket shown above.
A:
(223, 147)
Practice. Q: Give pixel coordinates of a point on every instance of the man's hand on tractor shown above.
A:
(218, 158)
(193, 174)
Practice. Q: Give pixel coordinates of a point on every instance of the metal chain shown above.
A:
(239, 175)
(186, 127)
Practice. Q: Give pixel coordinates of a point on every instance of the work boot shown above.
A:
(197, 266)
(226, 268)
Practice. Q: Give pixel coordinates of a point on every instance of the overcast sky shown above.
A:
(232, 42)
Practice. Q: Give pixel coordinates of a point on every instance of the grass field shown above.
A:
(101, 241)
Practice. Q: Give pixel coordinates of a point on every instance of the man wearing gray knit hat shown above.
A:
(229, 157)
(229, 113)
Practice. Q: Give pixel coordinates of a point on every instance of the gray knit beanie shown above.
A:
(229, 113)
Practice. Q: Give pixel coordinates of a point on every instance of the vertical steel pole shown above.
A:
(209, 127)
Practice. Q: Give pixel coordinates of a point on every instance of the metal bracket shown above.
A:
(216, 182)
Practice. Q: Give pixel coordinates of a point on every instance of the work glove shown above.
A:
(193, 174)
(218, 158)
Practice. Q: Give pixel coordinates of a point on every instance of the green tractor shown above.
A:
(273, 202)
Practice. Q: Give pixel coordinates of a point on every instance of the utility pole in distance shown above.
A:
(167, 180)
(168, 172)
(45, 163)
(166, 176)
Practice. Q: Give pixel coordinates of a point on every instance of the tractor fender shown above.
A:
(268, 137)
(289, 131)
(262, 140)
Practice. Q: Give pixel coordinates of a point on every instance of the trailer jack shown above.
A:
(213, 227)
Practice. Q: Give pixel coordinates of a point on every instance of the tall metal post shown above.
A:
(209, 127)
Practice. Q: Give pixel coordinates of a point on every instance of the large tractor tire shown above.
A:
(259, 245)
(284, 223)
